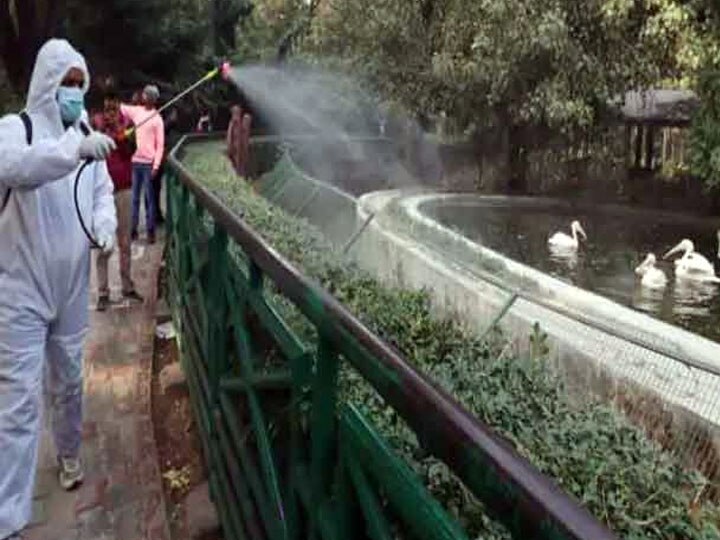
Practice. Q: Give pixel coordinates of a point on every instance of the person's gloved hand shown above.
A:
(106, 243)
(96, 146)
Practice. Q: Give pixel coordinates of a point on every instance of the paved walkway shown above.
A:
(122, 496)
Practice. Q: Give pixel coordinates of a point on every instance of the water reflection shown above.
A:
(648, 300)
(606, 263)
(564, 257)
(693, 298)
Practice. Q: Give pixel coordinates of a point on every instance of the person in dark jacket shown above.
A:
(171, 138)
(119, 164)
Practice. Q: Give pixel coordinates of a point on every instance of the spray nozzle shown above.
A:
(225, 69)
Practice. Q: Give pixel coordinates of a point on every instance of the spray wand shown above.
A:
(223, 69)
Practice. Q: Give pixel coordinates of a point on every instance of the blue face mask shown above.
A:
(72, 103)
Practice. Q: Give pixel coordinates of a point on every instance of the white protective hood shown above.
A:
(54, 60)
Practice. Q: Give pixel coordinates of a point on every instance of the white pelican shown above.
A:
(565, 241)
(692, 265)
(652, 278)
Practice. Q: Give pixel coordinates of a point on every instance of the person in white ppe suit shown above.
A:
(44, 271)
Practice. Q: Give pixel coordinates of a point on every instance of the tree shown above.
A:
(703, 53)
(225, 17)
(517, 73)
(140, 40)
(549, 62)
(24, 26)
(136, 40)
(272, 29)
(9, 101)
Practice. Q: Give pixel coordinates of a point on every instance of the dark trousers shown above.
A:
(157, 187)
(142, 180)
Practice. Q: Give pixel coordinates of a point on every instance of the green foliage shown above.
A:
(24, 26)
(9, 101)
(591, 450)
(492, 61)
(134, 40)
(137, 40)
(261, 34)
(705, 132)
(225, 15)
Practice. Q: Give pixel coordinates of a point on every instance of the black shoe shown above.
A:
(134, 236)
(103, 302)
(151, 239)
(133, 296)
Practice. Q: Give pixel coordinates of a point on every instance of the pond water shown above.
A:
(618, 240)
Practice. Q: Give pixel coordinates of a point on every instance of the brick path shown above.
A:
(122, 497)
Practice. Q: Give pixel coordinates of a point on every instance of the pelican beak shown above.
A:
(674, 250)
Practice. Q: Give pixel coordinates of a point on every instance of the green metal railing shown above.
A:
(288, 456)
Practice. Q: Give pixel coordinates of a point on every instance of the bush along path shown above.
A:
(589, 449)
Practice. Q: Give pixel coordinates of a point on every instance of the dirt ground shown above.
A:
(179, 446)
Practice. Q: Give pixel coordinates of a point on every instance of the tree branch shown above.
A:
(52, 17)
(23, 37)
(9, 45)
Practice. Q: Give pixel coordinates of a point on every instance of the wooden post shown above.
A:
(649, 147)
(681, 136)
(628, 146)
(638, 146)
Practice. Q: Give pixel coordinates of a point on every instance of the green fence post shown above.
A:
(349, 512)
(216, 340)
(301, 376)
(216, 310)
(183, 242)
(171, 188)
(323, 427)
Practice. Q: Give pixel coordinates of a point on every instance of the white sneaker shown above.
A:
(70, 473)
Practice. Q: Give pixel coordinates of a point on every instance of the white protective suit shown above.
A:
(44, 278)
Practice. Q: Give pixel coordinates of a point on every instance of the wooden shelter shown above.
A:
(649, 112)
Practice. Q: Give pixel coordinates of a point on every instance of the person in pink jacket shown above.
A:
(150, 140)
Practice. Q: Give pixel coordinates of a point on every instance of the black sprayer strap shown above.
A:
(25, 117)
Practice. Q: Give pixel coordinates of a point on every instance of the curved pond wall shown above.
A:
(538, 286)
(663, 376)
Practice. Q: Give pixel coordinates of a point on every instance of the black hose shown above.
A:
(93, 242)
